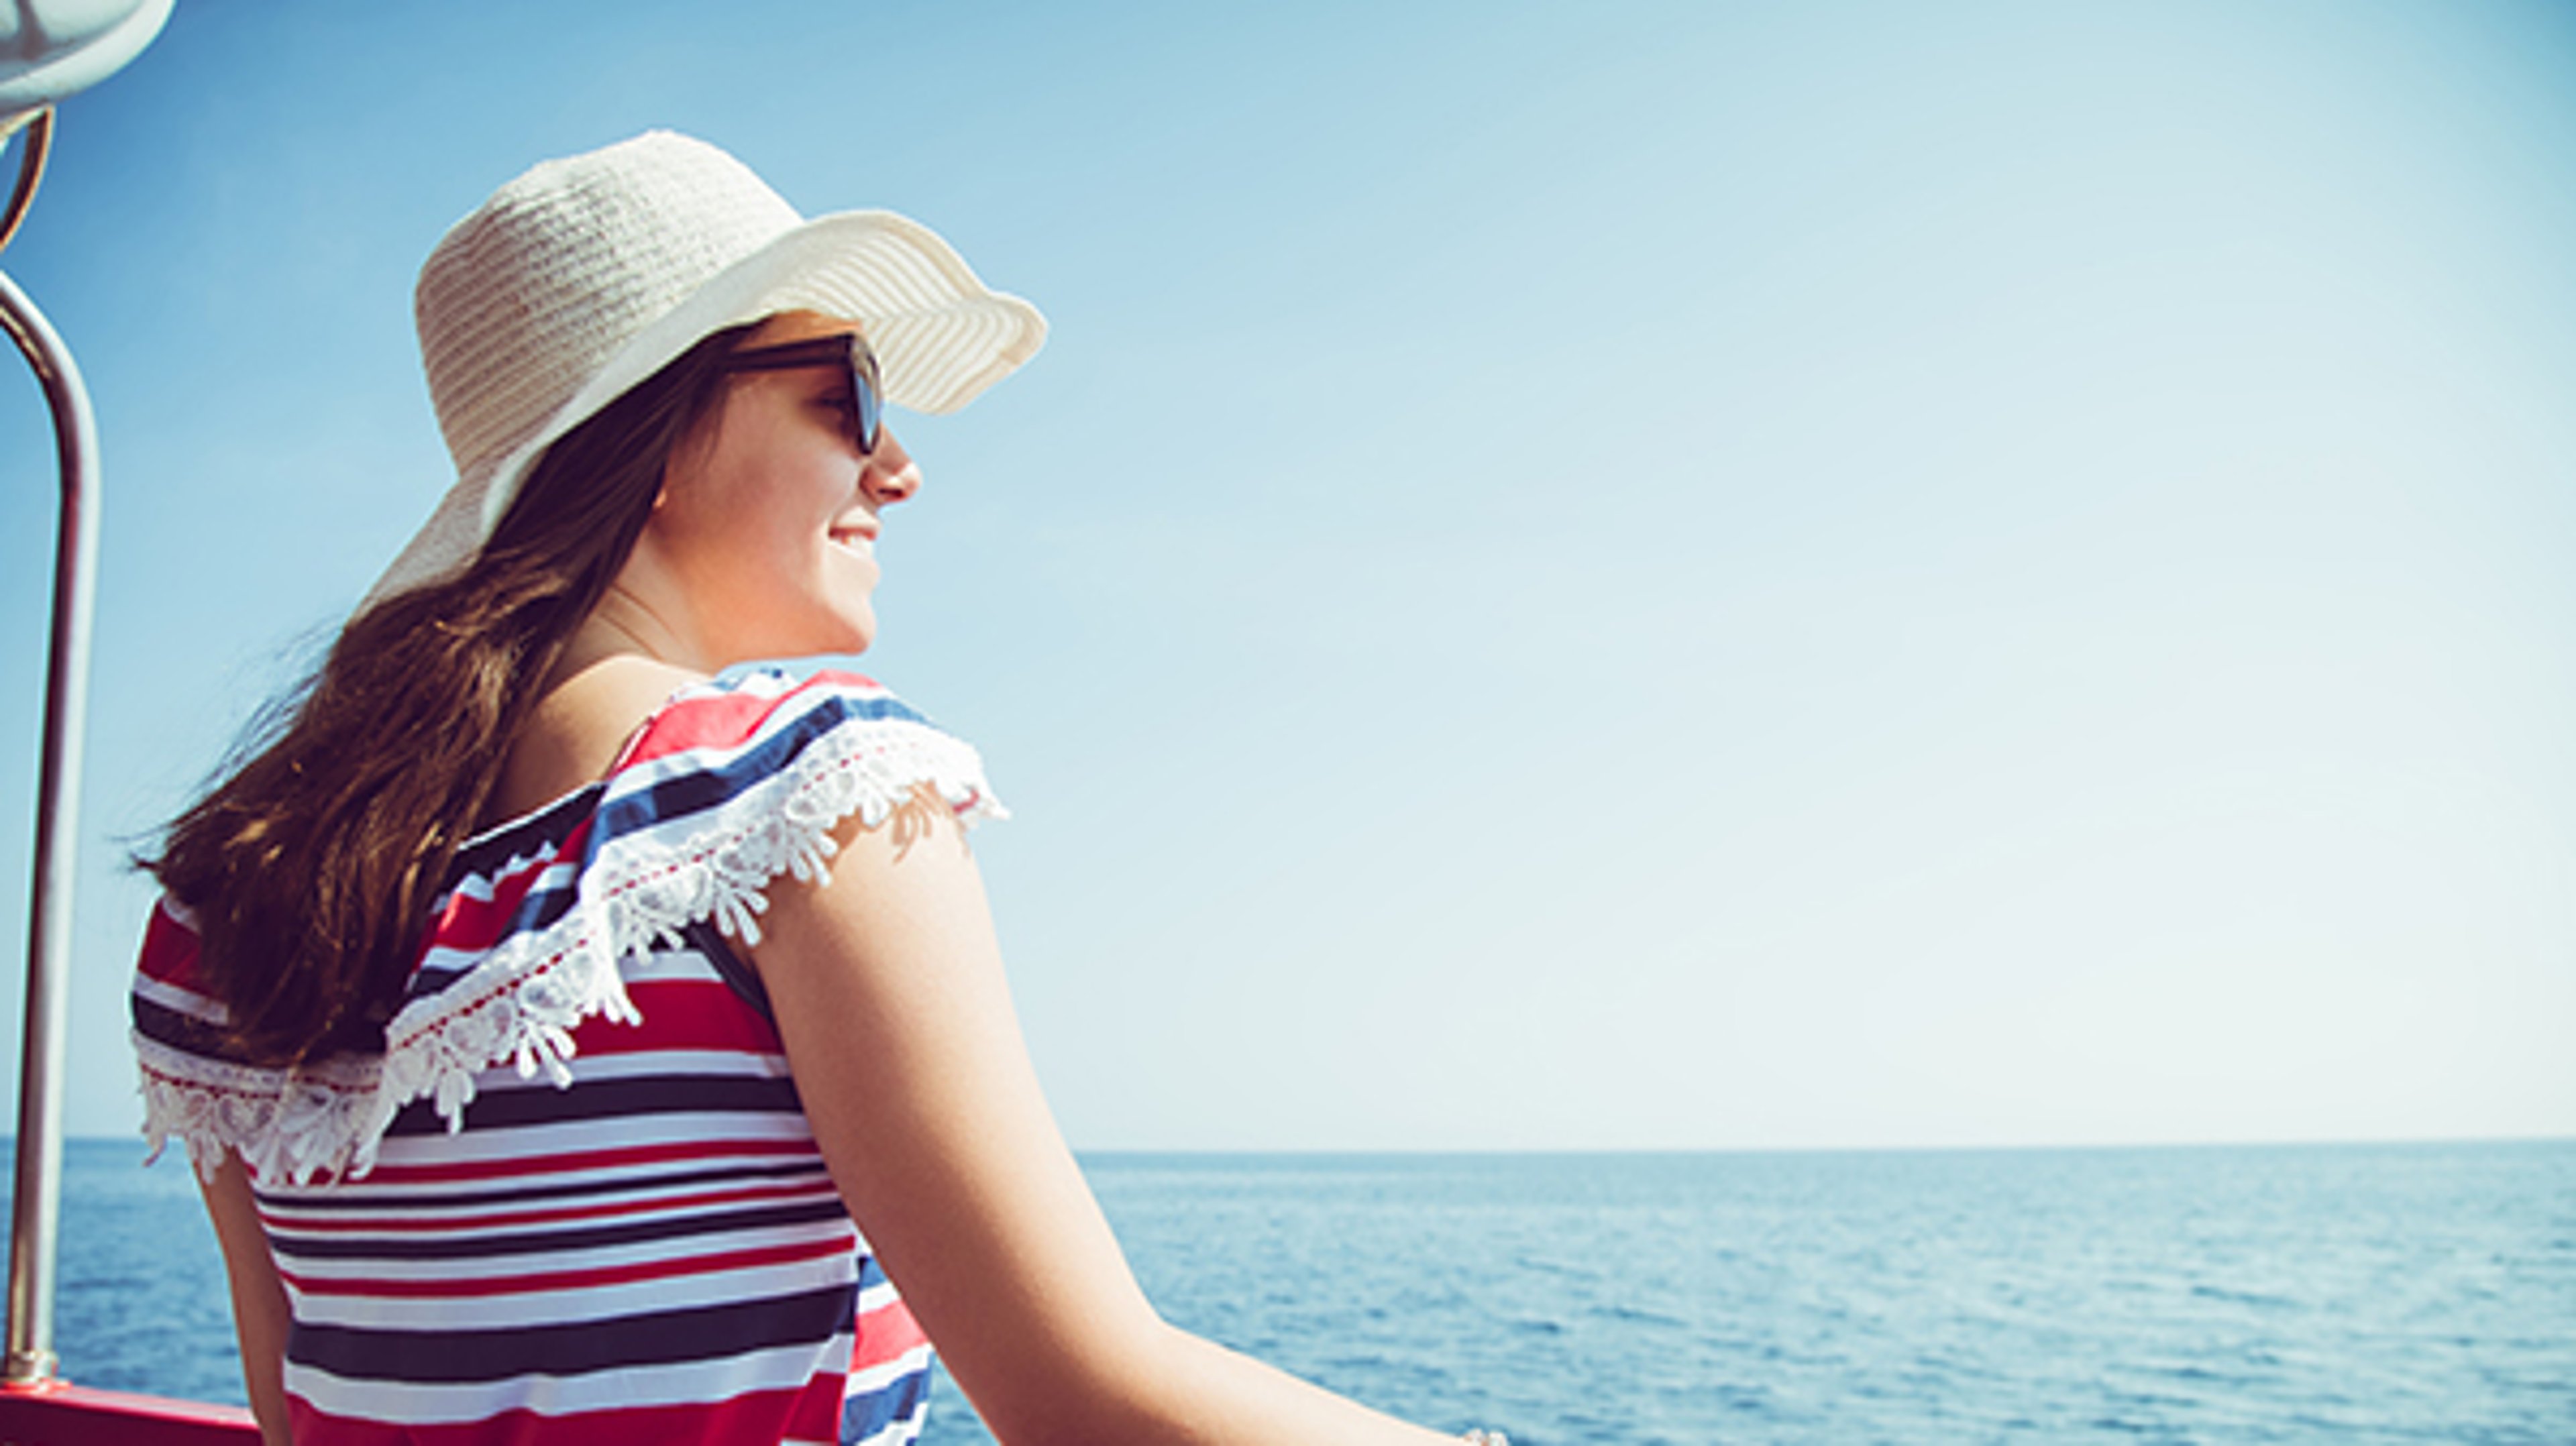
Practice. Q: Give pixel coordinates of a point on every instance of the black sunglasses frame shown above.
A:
(867, 395)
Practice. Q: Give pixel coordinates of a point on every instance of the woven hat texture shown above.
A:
(586, 275)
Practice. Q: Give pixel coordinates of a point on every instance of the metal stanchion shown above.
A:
(58, 47)
(35, 1215)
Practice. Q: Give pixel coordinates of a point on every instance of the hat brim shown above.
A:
(940, 337)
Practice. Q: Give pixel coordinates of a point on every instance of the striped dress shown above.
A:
(575, 1198)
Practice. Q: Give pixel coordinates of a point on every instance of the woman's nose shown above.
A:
(890, 475)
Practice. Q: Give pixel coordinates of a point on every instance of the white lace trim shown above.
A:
(520, 1003)
(283, 1123)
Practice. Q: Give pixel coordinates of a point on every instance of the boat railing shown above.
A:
(63, 46)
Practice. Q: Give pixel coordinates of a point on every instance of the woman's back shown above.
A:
(636, 1233)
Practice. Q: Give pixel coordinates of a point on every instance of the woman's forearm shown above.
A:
(1213, 1394)
(260, 1315)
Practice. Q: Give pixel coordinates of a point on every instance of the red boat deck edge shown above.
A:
(80, 1416)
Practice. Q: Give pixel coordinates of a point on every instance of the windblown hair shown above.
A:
(312, 868)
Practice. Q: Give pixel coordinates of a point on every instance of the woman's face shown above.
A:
(768, 517)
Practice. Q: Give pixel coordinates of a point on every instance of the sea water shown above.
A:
(2342, 1293)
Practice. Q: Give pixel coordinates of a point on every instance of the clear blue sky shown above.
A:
(1623, 575)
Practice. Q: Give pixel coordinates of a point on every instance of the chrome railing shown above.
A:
(36, 1209)
(57, 47)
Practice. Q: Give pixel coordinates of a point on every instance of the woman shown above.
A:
(548, 1015)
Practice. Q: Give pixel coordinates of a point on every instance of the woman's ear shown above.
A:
(670, 464)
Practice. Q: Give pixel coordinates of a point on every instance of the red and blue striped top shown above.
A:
(575, 1197)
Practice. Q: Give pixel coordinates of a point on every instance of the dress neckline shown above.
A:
(572, 801)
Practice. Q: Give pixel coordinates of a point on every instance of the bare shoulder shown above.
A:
(578, 727)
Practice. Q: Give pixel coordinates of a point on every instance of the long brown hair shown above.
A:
(312, 868)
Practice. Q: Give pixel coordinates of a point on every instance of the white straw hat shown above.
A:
(588, 274)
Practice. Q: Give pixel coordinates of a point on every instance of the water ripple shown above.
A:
(2306, 1295)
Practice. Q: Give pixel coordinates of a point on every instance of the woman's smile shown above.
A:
(860, 539)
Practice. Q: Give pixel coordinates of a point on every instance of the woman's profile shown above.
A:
(586, 1030)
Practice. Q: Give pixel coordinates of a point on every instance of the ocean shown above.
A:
(2317, 1293)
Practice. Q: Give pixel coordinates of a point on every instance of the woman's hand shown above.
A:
(889, 991)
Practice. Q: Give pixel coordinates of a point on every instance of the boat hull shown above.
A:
(60, 1415)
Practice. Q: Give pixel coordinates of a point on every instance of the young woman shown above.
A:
(579, 1040)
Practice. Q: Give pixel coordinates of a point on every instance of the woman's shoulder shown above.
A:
(832, 738)
(637, 724)
(745, 704)
(727, 783)
(581, 724)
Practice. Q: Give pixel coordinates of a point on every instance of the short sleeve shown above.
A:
(199, 1088)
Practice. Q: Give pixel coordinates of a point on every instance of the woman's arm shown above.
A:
(259, 1300)
(889, 991)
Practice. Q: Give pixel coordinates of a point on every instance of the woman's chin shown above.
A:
(845, 634)
(856, 632)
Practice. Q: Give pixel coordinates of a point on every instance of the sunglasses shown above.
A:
(845, 349)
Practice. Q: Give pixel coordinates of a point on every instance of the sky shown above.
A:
(1634, 576)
